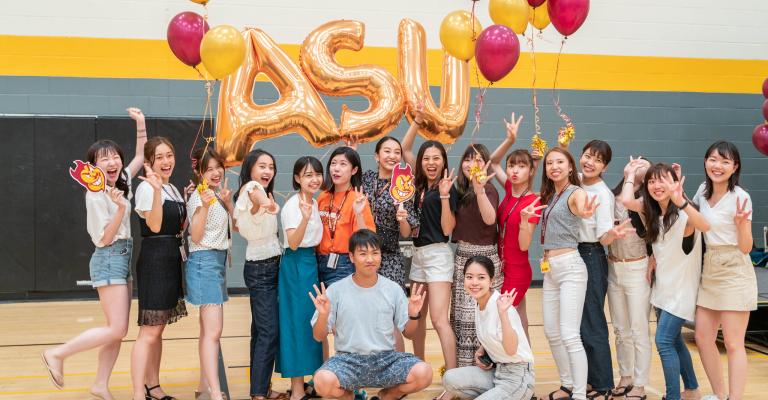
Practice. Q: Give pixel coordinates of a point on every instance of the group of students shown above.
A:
(339, 270)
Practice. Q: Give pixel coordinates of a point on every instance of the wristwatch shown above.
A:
(416, 318)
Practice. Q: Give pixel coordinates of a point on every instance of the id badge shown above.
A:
(333, 258)
(183, 252)
(544, 265)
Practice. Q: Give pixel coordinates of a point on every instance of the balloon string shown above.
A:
(565, 133)
(534, 94)
(481, 90)
(207, 120)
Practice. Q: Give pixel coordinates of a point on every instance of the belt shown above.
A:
(264, 261)
(176, 236)
(626, 260)
(590, 244)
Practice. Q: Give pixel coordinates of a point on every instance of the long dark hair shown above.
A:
(103, 148)
(482, 261)
(354, 158)
(248, 163)
(726, 150)
(548, 185)
(420, 176)
(652, 209)
(463, 183)
(301, 164)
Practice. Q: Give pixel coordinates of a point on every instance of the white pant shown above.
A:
(629, 299)
(505, 382)
(565, 286)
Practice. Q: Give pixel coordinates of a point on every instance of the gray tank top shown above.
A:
(562, 226)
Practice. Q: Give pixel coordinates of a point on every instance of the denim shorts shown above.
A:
(344, 268)
(205, 277)
(111, 265)
(378, 370)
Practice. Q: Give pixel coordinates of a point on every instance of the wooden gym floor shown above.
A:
(28, 328)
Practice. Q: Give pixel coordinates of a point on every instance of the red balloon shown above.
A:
(185, 32)
(760, 138)
(536, 3)
(567, 15)
(496, 51)
(765, 88)
(765, 110)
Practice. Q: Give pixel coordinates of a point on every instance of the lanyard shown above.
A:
(545, 214)
(175, 198)
(509, 213)
(333, 221)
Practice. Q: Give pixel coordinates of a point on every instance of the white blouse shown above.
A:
(260, 229)
(488, 329)
(291, 218)
(722, 230)
(216, 234)
(99, 212)
(145, 195)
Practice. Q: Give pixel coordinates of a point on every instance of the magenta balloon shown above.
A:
(567, 15)
(760, 138)
(536, 3)
(765, 110)
(765, 88)
(496, 51)
(185, 32)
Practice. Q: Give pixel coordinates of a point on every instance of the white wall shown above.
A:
(681, 28)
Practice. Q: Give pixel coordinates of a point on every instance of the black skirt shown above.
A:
(159, 279)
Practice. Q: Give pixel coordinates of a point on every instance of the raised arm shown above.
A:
(141, 138)
(296, 236)
(509, 338)
(447, 219)
(154, 217)
(743, 225)
(415, 303)
(410, 135)
(498, 155)
(487, 209)
(525, 235)
(323, 310)
(677, 196)
(627, 196)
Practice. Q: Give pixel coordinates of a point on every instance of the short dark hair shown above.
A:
(599, 147)
(354, 159)
(302, 164)
(364, 238)
(726, 150)
(104, 147)
(484, 261)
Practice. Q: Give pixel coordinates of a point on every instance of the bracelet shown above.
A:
(141, 130)
(446, 197)
(631, 182)
(416, 318)
(684, 205)
(141, 136)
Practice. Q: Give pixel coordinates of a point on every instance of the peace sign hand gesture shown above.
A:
(321, 300)
(225, 192)
(589, 207)
(512, 126)
(621, 230)
(741, 215)
(674, 188)
(305, 206)
(152, 178)
(530, 211)
(361, 199)
(478, 183)
(632, 166)
(419, 114)
(505, 301)
(416, 301)
(445, 184)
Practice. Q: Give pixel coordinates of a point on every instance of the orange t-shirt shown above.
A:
(344, 221)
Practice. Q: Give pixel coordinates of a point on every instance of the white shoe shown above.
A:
(711, 397)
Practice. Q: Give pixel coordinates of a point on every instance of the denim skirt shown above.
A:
(205, 277)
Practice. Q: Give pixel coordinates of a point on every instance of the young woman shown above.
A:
(503, 364)
(514, 236)
(593, 235)
(299, 354)
(728, 289)
(673, 228)
(205, 274)
(343, 209)
(108, 221)
(255, 216)
(629, 293)
(392, 220)
(161, 212)
(436, 201)
(565, 275)
(476, 235)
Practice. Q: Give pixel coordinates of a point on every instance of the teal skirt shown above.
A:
(300, 353)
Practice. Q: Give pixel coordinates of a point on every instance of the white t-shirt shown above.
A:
(290, 216)
(677, 274)
(145, 195)
(722, 230)
(591, 229)
(99, 212)
(488, 329)
(260, 229)
(216, 233)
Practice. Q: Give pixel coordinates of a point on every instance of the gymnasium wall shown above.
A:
(652, 78)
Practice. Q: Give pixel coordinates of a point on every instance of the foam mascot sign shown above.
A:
(402, 186)
(88, 176)
(241, 122)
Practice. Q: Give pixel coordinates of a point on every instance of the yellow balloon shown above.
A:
(539, 16)
(222, 50)
(512, 13)
(203, 2)
(458, 33)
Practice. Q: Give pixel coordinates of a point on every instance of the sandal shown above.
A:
(312, 394)
(56, 378)
(150, 397)
(596, 394)
(643, 397)
(563, 389)
(622, 390)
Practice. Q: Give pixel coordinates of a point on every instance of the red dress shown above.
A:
(517, 268)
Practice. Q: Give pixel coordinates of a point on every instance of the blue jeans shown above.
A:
(675, 358)
(594, 327)
(344, 268)
(261, 279)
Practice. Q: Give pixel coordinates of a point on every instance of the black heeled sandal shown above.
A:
(150, 397)
(569, 392)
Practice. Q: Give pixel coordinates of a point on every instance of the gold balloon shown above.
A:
(375, 83)
(203, 2)
(444, 124)
(539, 16)
(222, 50)
(240, 122)
(512, 13)
(458, 33)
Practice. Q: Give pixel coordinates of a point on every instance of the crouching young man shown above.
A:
(361, 311)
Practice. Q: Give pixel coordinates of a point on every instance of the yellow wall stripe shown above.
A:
(138, 58)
